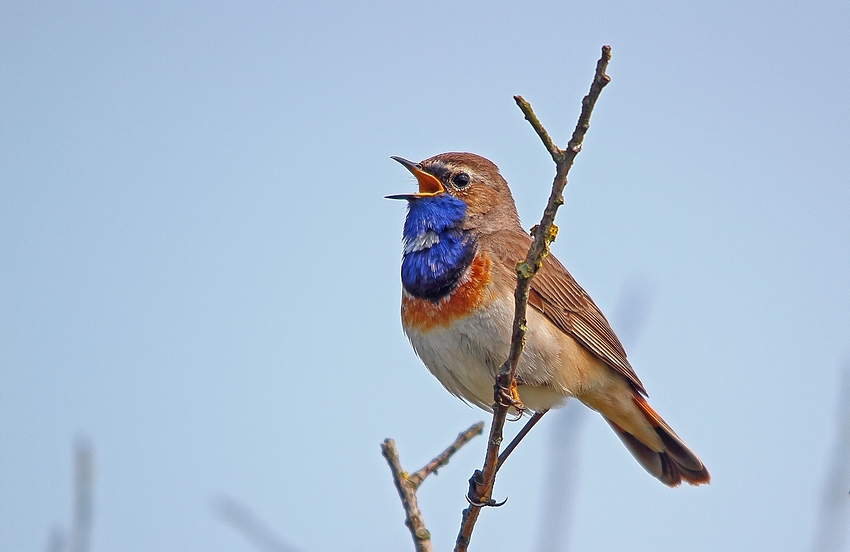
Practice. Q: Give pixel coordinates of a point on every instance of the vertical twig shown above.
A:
(481, 483)
(407, 492)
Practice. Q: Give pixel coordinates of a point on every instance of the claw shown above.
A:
(510, 397)
(489, 502)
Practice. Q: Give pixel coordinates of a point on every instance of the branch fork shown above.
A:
(504, 390)
(481, 486)
(407, 484)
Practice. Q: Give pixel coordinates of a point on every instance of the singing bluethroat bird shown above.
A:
(462, 239)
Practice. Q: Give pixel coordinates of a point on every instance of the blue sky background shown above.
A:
(198, 270)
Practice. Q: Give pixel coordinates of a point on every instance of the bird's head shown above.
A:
(464, 187)
(461, 197)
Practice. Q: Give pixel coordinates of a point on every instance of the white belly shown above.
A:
(466, 355)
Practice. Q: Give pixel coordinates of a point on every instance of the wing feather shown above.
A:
(558, 296)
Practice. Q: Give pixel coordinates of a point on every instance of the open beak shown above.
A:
(429, 185)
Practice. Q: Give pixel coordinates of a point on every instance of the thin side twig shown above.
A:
(481, 483)
(443, 458)
(406, 485)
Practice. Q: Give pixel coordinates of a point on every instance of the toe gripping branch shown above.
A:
(506, 394)
(477, 489)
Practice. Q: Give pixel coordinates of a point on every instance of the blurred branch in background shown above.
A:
(562, 476)
(632, 310)
(250, 526)
(562, 473)
(834, 519)
(55, 541)
(83, 507)
(83, 497)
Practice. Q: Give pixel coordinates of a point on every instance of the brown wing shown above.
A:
(556, 294)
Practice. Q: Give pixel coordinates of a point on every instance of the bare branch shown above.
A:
(443, 458)
(407, 484)
(407, 492)
(481, 483)
(600, 79)
(537, 126)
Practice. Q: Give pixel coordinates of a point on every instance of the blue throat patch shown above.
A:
(436, 249)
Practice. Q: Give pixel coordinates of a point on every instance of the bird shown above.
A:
(461, 240)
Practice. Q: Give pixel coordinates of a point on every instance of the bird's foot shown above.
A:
(476, 489)
(508, 396)
(489, 502)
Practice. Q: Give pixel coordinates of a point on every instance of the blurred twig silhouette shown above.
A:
(250, 526)
(55, 541)
(632, 310)
(562, 474)
(556, 512)
(834, 519)
(83, 497)
(81, 524)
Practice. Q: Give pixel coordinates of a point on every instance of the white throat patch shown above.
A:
(424, 240)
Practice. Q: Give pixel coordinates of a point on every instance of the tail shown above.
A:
(674, 462)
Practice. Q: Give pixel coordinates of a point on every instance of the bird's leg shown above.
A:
(506, 396)
(476, 482)
(519, 436)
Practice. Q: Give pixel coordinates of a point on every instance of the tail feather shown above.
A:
(673, 464)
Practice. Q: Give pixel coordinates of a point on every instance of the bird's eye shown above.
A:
(460, 180)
